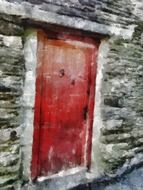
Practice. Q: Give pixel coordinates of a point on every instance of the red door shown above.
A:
(64, 103)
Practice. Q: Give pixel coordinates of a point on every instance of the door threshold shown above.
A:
(63, 180)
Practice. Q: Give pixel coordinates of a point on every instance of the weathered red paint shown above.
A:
(64, 103)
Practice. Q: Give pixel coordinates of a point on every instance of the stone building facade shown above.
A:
(117, 143)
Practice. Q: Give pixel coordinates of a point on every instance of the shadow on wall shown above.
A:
(130, 181)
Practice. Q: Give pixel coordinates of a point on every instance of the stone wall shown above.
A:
(104, 17)
(102, 11)
(120, 130)
(122, 100)
(11, 82)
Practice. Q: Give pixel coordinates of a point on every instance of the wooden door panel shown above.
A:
(64, 122)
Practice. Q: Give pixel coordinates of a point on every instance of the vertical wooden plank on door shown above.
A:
(64, 104)
(37, 113)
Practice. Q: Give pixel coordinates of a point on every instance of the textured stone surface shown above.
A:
(28, 100)
(130, 181)
(122, 132)
(109, 12)
(10, 25)
(11, 81)
(120, 137)
(70, 14)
